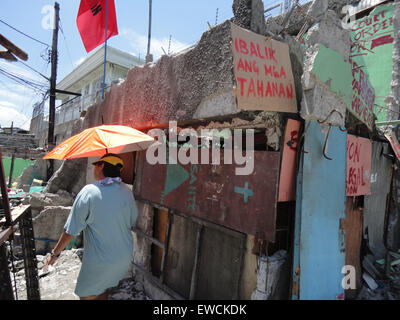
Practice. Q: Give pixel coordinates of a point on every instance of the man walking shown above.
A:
(105, 211)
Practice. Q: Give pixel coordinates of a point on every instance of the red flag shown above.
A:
(91, 22)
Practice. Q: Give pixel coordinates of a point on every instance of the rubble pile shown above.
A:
(378, 284)
(58, 281)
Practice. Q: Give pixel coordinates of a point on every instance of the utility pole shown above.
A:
(53, 81)
(149, 57)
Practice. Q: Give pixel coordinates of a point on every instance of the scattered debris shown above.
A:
(58, 282)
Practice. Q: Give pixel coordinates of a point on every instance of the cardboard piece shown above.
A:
(358, 171)
(263, 72)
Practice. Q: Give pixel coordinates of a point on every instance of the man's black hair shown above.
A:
(109, 170)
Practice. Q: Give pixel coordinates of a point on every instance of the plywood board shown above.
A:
(287, 180)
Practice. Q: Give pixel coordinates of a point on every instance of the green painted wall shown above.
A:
(372, 49)
(331, 69)
(19, 167)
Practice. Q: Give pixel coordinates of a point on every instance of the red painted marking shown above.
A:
(381, 41)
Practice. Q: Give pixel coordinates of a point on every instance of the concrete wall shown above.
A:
(177, 87)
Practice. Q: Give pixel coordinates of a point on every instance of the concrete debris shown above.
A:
(128, 289)
(68, 177)
(270, 276)
(48, 226)
(318, 9)
(59, 282)
(331, 34)
(39, 200)
(249, 14)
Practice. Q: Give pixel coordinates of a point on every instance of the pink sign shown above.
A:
(358, 176)
(287, 182)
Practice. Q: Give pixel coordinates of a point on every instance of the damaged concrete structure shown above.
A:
(202, 231)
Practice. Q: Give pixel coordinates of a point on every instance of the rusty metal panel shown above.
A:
(375, 203)
(220, 265)
(246, 203)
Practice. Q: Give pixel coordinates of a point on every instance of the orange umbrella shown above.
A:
(97, 141)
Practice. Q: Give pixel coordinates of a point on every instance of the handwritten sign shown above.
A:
(362, 105)
(263, 72)
(358, 176)
(372, 28)
(372, 39)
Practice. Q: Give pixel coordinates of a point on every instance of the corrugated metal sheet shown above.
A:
(246, 203)
(375, 204)
(322, 242)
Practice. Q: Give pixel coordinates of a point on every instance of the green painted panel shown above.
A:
(19, 166)
(372, 49)
(331, 69)
(350, 84)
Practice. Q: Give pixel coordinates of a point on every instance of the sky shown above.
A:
(182, 20)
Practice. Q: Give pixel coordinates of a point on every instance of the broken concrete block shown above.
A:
(39, 200)
(48, 226)
(318, 9)
(331, 34)
(327, 86)
(70, 177)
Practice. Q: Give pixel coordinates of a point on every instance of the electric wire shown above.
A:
(24, 33)
(66, 43)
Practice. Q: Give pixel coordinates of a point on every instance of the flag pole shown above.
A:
(105, 52)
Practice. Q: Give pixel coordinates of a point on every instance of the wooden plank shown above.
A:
(5, 234)
(287, 180)
(193, 284)
(7, 55)
(353, 227)
(13, 48)
(16, 213)
(164, 237)
(154, 241)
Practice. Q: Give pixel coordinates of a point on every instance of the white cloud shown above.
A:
(9, 115)
(139, 43)
(15, 97)
(79, 61)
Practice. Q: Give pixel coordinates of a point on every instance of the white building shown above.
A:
(86, 79)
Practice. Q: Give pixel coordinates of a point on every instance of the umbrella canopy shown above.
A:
(97, 141)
